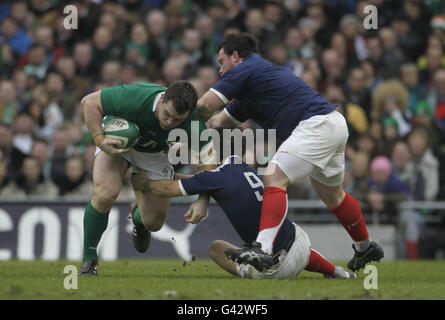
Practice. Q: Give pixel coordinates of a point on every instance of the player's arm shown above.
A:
(93, 113)
(222, 120)
(209, 103)
(161, 188)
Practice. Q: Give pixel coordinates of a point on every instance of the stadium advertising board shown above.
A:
(51, 231)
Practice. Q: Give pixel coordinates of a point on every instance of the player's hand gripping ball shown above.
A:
(122, 130)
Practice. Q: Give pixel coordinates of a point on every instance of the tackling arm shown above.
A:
(161, 188)
(209, 104)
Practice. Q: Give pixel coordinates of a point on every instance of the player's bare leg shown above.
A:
(348, 212)
(216, 252)
(108, 173)
(149, 216)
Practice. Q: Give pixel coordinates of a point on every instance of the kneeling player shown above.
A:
(238, 190)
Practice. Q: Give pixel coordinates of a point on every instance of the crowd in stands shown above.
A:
(389, 83)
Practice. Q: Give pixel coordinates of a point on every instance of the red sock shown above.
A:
(273, 212)
(411, 250)
(350, 216)
(318, 263)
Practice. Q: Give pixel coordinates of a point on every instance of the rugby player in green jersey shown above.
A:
(156, 111)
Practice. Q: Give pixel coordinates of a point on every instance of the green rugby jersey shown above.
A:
(135, 102)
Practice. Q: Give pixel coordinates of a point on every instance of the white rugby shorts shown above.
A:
(320, 140)
(155, 165)
(290, 263)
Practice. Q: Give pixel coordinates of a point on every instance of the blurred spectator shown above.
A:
(357, 91)
(332, 66)
(23, 138)
(7, 190)
(40, 151)
(411, 221)
(59, 97)
(210, 39)
(46, 113)
(235, 14)
(294, 41)
(274, 19)
(438, 26)
(429, 64)
(410, 42)
(393, 56)
(372, 79)
(382, 190)
(139, 41)
(390, 98)
(277, 54)
(60, 152)
(103, 47)
(208, 75)
(17, 38)
(404, 168)
(359, 164)
(324, 27)
(130, 75)
(254, 24)
(9, 105)
(21, 14)
(419, 16)
(9, 152)
(75, 183)
(44, 36)
(156, 22)
(83, 57)
(409, 74)
(423, 116)
(375, 51)
(111, 73)
(436, 98)
(390, 134)
(32, 183)
(7, 60)
(425, 161)
(37, 64)
(172, 70)
(356, 45)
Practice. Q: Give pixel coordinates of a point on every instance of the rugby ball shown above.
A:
(122, 130)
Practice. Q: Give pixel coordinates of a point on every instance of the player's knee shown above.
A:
(216, 249)
(105, 197)
(213, 249)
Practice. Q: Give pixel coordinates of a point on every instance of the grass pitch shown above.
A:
(174, 279)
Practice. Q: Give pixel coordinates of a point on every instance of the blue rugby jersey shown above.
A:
(270, 95)
(238, 190)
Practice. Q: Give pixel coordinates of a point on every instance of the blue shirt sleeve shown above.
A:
(203, 182)
(232, 83)
(235, 111)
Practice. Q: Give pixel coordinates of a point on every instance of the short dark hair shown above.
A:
(183, 95)
(244, 43)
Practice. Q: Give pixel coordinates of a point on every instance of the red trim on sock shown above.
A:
(318, 263)
(351, 218)
(274, 207)
(411, 250)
